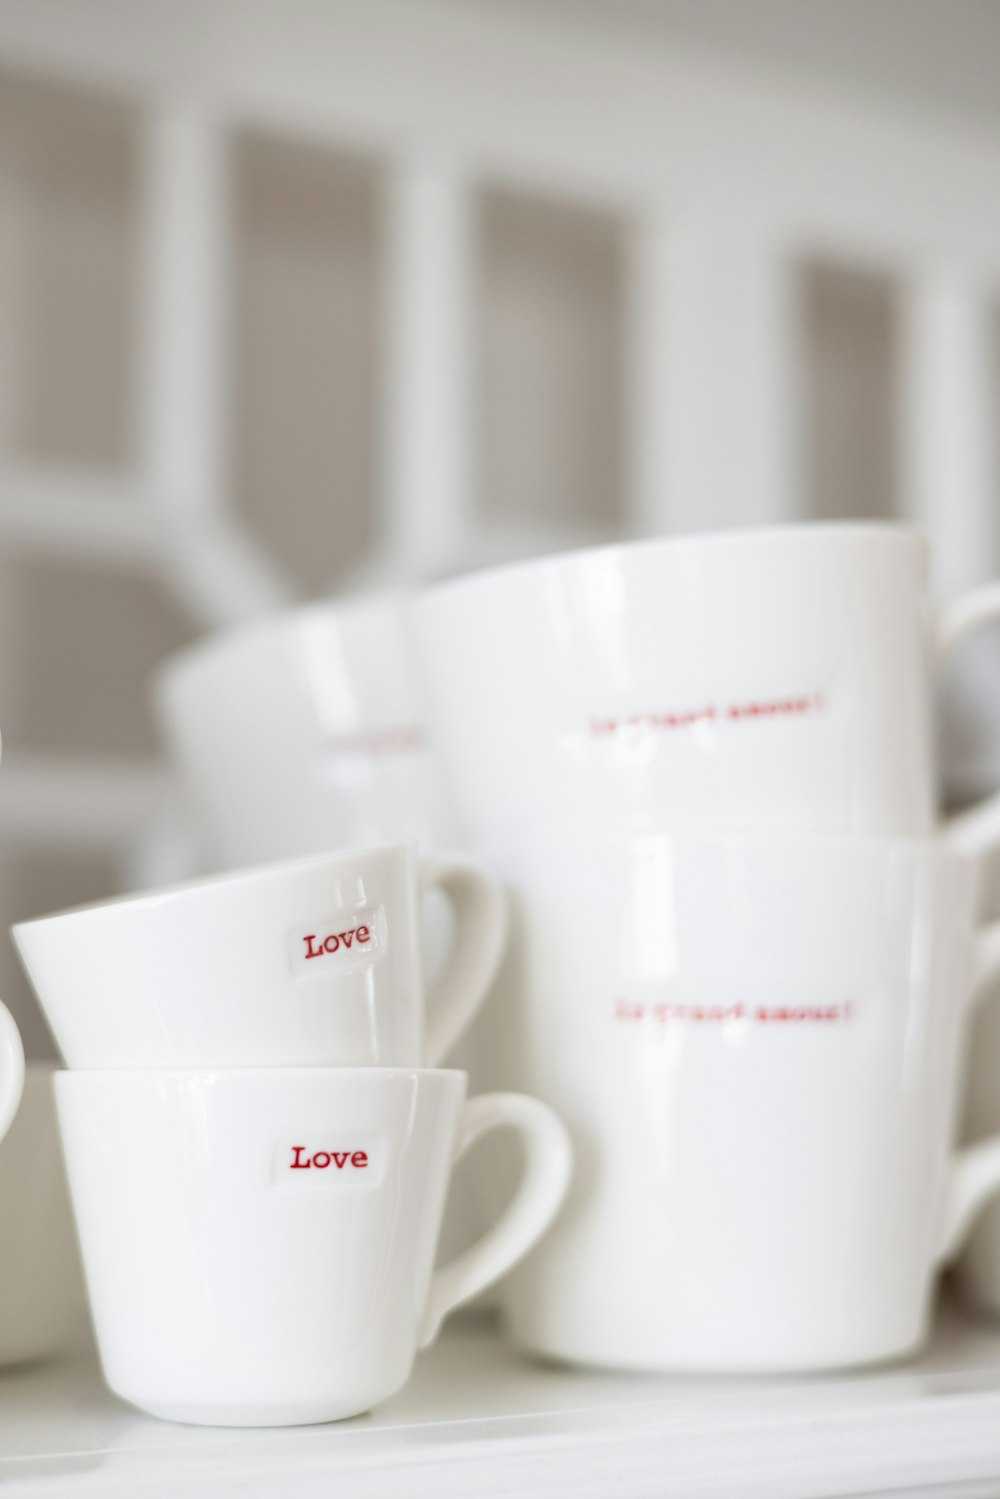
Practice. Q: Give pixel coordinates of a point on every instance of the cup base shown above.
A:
(240, 1413)
(737, 1364)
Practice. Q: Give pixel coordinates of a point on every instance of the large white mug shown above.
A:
(304, 732)
(316, 962)
(776, 679)
(756, 1045)
(259, 1246)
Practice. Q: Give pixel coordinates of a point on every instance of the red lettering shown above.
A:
(323, 1159)
(665, 1013)
(334, 941)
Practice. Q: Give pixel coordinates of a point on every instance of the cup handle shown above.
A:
(975, 1170)
(548, 1163)
(11, 1069)
(481, 931)
(976, 829)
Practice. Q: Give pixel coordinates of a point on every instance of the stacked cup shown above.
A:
(258, 1141)
(743, 952)
(303, 732)
(38, 1275)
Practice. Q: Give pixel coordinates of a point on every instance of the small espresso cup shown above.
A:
(311, 963)
(259, 1246)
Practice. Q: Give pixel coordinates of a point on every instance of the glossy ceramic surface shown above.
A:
(316, 962)
(767, 680)
(11, 1069)
(305, 732)
(756, 1045)
(259, 1245)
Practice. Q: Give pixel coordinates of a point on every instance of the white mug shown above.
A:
(777, 679)
(304, 732)
(312, 963)
(11, 1069)
(755, 1044)
(42, 1300)
(259, 1246)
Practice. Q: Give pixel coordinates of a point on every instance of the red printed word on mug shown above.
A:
(339, 942)
(322, 1160)
(318, 1161)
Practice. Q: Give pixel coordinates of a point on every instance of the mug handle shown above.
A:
(977, 829)
(11, 1069)
(481, 931)
(548, 1161)
(975, 1170)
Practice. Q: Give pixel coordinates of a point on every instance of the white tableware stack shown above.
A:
(258, 1140)
(744, 949)
(304, 732)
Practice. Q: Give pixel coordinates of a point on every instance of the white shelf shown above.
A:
(478, 1420)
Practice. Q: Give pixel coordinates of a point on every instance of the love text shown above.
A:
(332, 942)
(326, 1160)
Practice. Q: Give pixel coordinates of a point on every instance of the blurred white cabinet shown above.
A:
(304, 293)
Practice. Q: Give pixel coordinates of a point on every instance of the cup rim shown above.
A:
(203, 1074)
(931, 846)
(210, 884)
(554, 562)
(215, 646)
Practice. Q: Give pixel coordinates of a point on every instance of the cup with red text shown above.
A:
(756, 1043)
(259, 1245)
(773, 679)
(315, 962)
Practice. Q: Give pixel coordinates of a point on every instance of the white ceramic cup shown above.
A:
(304, 732)
(258, 1246)
(311, 963)
(42, 1301)
(756, 1046)
(777, 679)
(11, 1069)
